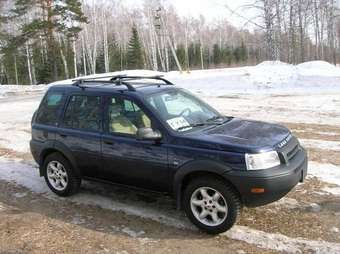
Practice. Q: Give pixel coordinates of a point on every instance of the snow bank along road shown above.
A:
(109, 219)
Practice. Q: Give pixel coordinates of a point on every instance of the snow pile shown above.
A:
(7, 90)
(270, 74)
(212, 82)
(273, 77)
(318, 68)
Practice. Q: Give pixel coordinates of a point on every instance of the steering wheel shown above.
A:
(186, 110)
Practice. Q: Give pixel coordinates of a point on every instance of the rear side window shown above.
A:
(83, 113)
(50, 109)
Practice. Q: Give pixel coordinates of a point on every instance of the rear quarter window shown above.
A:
(49, 109)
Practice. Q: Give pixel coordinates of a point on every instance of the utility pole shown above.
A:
(162, 32)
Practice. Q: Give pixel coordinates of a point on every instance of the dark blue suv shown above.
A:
(146, 133)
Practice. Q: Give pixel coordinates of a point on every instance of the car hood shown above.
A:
(239, 135)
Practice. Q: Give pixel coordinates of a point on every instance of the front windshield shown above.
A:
(181, 110)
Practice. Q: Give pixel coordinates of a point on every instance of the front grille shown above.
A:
(292, 153)
(289, 151)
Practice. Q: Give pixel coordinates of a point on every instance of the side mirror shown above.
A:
(148, 134)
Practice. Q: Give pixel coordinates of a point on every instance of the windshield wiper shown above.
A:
(218, 120)
(210, 121)
(197, 125)
(191, 126)
(214, 118)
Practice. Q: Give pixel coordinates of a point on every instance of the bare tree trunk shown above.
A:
(187, 60)
(174, 55)
(29, 64)
(16, 70)
(278, 31)
(75, 59)
(269, 30)
(316, 29)
(153, 46)
(84, 55)
(63, 58)
(292, 37)
(331, 31)
(105, 43)
(302, 35)
(201, 55)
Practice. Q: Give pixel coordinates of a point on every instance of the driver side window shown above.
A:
(125, 117)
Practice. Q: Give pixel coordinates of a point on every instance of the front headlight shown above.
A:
(262, 160)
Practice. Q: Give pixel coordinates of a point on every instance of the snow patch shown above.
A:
(328, 173)
(286, 202)
(321, 144)
(132, 233)
(279, 242)
(332, 190)
(20, 194)
(314, 207)
(335, 230)
(8, 90)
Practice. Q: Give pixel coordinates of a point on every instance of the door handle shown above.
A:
(108, 142)
(63, 135)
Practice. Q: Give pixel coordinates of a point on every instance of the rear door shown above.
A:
(81, 131)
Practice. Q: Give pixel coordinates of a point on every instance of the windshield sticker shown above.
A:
(178, 122)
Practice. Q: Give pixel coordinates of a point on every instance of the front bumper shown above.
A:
(275, 182)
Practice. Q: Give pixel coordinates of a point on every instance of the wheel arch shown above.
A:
(198, 169)
(61, 149)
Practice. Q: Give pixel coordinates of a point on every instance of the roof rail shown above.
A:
(130, 78)
(119, 80)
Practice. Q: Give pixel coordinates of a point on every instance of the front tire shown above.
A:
(60, 175)
(211, 204)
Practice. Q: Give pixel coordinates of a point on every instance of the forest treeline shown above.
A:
(46, 40)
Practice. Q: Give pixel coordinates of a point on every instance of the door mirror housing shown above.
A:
(148, 134)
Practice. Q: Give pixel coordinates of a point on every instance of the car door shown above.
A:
(81, 131)
(127, 160)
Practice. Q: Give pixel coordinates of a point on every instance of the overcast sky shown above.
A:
(211, 9)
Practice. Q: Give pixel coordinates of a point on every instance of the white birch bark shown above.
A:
(28, 58)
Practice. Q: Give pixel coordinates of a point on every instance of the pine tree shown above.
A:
(135, 52)
(180, 52)
(217, 54)
(62, 17)
(116, 57)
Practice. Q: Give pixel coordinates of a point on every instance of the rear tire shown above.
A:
(211, 204)
(60, 176)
